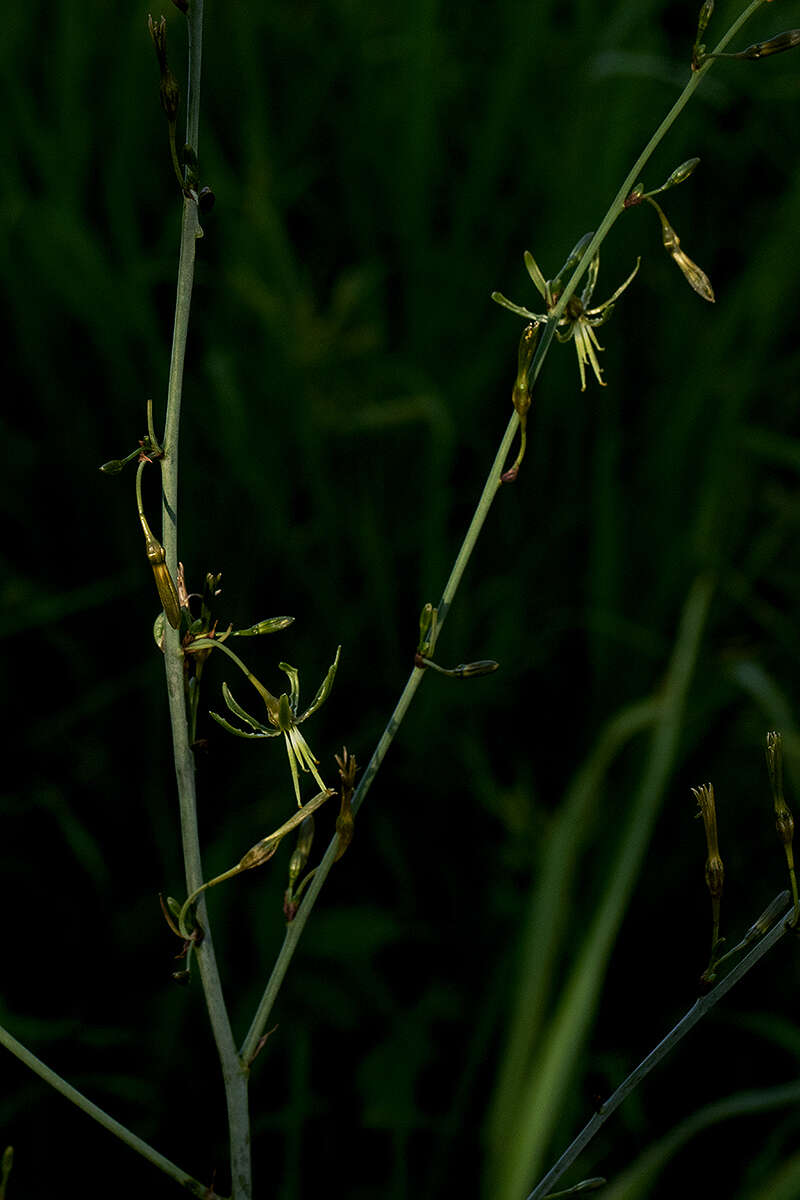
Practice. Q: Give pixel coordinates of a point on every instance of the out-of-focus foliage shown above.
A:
(379, 170)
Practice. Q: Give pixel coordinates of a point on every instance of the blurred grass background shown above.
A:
(379, 171)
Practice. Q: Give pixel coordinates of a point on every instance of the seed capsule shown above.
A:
(167, 592)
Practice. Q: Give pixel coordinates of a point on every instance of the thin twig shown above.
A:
(234, 1076)
(98, 1114)
(698, 1010)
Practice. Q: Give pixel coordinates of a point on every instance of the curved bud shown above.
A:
(264, 850)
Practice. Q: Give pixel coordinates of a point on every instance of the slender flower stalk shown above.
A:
(234, 1075)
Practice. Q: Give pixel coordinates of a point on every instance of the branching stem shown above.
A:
(687, 1022)
(491, 487)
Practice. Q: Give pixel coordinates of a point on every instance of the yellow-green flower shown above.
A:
(578, 321)
(283, 717)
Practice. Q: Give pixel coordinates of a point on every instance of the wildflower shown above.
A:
(578, 321)
(283, 717)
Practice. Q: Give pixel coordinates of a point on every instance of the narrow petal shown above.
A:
(536, 275)
(580, 350)
(499, 298)
(294, 685)
(240, 712)
(324, 688)
(591, 280)
(595, 311)
(293, 767)
(241, 732)
(590, 341)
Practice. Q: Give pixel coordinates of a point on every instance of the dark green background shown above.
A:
(379, 170)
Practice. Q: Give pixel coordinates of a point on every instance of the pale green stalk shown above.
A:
(698, 1010)
(234, 1075)
(491, 487)
(98, 1114)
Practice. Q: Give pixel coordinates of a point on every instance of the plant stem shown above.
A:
(98, 1114)
(234, 1076)
(698, 1010)
(617, 205)
(491, 487)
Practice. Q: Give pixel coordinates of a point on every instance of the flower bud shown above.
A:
(270, 625)
(302, 850)
(345, 820)
(694, 275)
(681, 173)
(169, 90)
(113, 467)
(486, 666)
(715, 872)
(774, 45)
(705, 16)
(634, 196)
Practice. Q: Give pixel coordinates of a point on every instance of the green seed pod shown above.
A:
(165, 585)
(520, 396)
(302, 850)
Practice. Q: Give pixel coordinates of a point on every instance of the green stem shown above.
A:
(234, 1076)
(698, 1010)
(617, 205)
(101, 1117)
(491, 487)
